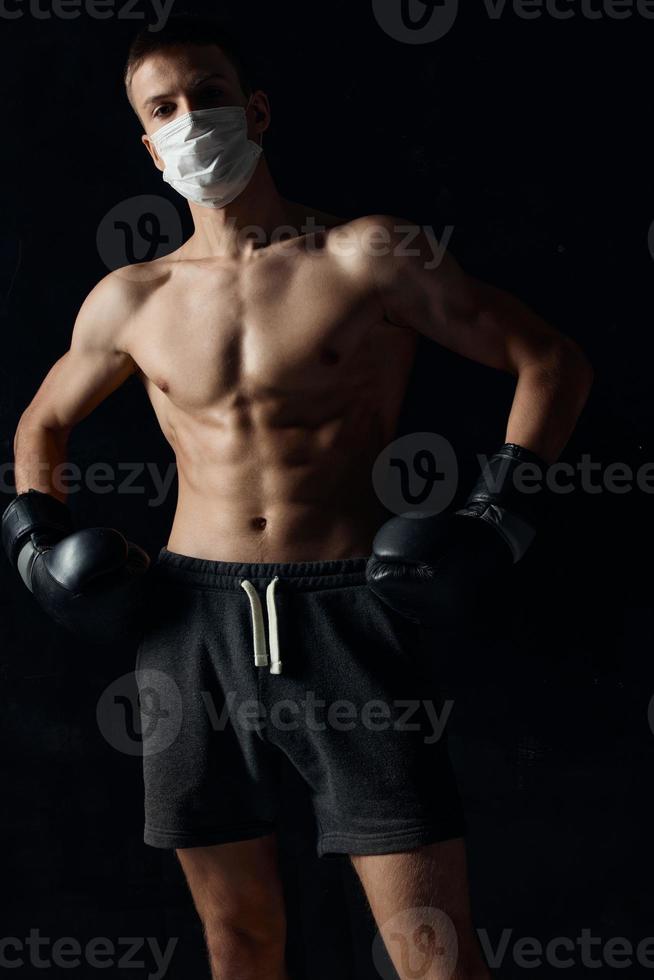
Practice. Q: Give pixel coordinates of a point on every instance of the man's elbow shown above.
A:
(560, 362)
(575, 366)
(33, 423)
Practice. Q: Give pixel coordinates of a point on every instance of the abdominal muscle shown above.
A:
(258, 486)
(277, 386)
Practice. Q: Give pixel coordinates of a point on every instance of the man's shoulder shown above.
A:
(125, 288)
(138, 278)
(336, 228)
(111, 303)
(365, 245)
(371, 232)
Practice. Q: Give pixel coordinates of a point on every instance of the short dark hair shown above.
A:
(187, 29)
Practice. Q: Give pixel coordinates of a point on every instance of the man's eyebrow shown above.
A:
(206, 78)
(196, 82)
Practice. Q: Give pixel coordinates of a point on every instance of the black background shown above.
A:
(532, 138)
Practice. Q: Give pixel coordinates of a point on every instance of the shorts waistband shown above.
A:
(303, 575)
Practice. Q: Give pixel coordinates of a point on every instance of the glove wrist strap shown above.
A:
(510, 495)
(28, 514)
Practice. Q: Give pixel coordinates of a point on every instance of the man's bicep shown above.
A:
(76, 384)
(420, 285)
(442, 302)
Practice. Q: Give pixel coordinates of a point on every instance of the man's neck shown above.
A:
(257, 216)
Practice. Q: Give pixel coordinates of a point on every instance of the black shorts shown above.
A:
(241, 665)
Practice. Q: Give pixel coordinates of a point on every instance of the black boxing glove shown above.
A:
(433, 569)
(89, 581)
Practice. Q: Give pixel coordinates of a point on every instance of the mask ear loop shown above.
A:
(260, 143)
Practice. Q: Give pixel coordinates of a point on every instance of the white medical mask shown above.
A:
(208, 156)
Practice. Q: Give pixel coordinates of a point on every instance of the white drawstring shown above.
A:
(273, 630)
(258, 628)
(260, 655)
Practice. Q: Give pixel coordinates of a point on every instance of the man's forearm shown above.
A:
(549, 397)
(39, 451)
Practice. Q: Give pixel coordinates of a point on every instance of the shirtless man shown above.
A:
(277, 369)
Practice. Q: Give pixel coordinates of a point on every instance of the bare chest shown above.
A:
(278, 328)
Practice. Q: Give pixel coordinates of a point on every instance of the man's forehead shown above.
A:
(182, 65)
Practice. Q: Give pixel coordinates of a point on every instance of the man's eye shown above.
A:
(163, 110)
(212, 93)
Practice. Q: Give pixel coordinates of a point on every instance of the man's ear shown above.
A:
(150, 147)
(260, 113)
